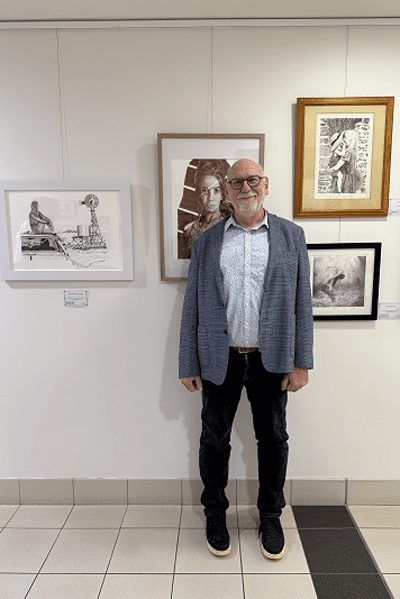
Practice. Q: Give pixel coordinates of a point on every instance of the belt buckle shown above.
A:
(247, 350)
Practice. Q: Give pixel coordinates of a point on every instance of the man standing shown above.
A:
(246, 322)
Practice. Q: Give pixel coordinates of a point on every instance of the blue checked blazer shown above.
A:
(286, 318)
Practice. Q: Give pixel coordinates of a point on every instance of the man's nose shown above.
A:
(246, 186)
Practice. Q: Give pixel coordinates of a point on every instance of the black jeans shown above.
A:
(268, 406)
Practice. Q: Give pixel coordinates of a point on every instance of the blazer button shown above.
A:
(225, 332)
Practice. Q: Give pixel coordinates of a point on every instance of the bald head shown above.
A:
(244, 165)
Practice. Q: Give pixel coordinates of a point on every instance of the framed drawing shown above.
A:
(66, 231)
(192, 171)
(343, 150)
(345, 280)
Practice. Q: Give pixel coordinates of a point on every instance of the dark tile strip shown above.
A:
(339, 562)
(349, 586)
(336, 551)
(322, 516)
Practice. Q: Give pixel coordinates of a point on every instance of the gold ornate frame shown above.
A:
(315, 117)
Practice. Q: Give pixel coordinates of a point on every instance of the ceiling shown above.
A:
(39, 10)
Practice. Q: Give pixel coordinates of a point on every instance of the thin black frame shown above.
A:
(373, 313)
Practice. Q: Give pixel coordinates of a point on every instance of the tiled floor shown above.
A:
(159, 552)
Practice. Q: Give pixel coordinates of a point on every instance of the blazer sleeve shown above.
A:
(188, 346)
(304, 312)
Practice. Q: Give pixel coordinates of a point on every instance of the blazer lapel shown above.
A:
(216, 246)
(273, 248)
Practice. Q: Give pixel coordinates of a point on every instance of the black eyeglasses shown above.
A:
(253, 181)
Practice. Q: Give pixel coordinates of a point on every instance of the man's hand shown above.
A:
(192, 383)
(295, 380)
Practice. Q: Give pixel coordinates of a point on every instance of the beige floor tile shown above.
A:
(40, 516)
(66, 586)
(282, 586)
(81, 552)
(6, 511)
(96, 516)
(144, 551)
(376, 516)
(15, 586)
(153, 516)
(248, 517)
(195, 558)
(293, 562)
(202, 586)
(24, 550)
(384, 545)
(193, 517)
(137, 586)
(393, 581)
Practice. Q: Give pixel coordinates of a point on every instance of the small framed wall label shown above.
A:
(75, 298)
(394, 207)
(389, 310)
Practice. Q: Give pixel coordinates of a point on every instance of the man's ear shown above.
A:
(266, 186)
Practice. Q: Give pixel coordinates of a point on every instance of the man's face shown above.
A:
(248, 201)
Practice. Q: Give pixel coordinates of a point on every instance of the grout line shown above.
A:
(240, 554)
(112, 551)
(178, 536)
(10, 518)
(44, 561)
(51, 548)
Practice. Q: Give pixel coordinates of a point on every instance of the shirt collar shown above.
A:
(231, 222)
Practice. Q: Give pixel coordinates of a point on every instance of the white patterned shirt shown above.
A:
(244, 259)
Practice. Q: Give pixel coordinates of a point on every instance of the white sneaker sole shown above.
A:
(217, 552)
(274, 556)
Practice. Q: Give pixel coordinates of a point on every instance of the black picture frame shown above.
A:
(344, 280)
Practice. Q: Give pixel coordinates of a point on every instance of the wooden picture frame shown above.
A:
(344, 280)
(343, 150)
(183, 159)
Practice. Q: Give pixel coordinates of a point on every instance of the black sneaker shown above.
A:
(218, 541)
(271, 538)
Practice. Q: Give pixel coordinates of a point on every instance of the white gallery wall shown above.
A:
(93, 392)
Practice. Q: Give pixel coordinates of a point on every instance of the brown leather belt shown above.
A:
(245, 350)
